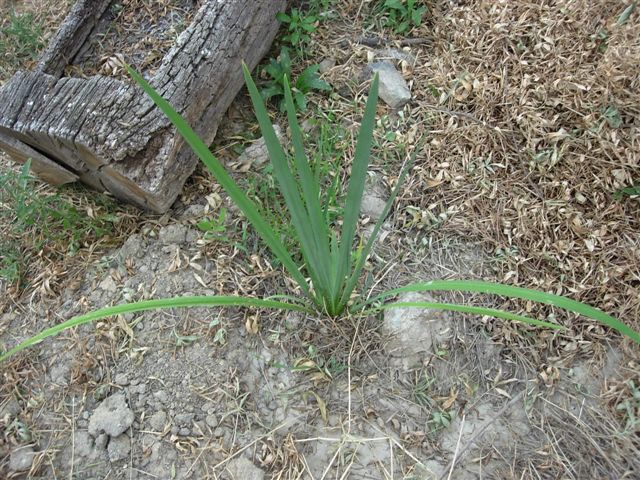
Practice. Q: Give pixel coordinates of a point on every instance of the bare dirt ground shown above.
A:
(530, 111)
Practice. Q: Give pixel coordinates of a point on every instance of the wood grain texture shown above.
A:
(107, 133)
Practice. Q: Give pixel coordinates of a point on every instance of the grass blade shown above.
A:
(201, 301)
(514, 292)
(288, 186)
(310, 192)
(215, 167)
(355, 274)
(492, 312)
(356, 184)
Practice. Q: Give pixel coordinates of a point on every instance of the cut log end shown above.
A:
(104, 132)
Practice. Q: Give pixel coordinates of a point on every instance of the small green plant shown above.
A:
(631, 408)
(403, 15)
(298, 25)
(330, 260)
(35, 222)
(628, 192)
(214, 228)
(280, 69)
(20, 38)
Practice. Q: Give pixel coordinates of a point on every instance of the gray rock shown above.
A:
(161, 396)
(82, 444)
(112, 417)
(11, 409)
(174, 234)
(241, 468)
(122, 379)
(184, 419)
(101, 441)
(133, 247)
(372, 206)
(394, 90)
(158, 421)
(414, 330)
(212, 421)
(374, 198)
(21, 459)
(256, 154)
(193, 212)
(327, 64)
(108, 285)
(119, 448)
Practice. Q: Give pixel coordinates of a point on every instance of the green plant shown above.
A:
(298, 25)
(329, 258)
(35, 222)
(403, 15)
(280, 69)
(21, 38)
(629, 192)
(214, 228)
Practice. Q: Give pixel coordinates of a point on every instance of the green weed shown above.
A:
(298, 26)
(402, 15)
(280, 68)
(20, 38)
(32, 223)
(330, 260)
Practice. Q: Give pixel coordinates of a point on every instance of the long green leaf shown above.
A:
(287, 183)
(310, 192)
(239, 198)
(357, 182)
(492, 312)
(513, 292)
(355, 274)
(197, 301)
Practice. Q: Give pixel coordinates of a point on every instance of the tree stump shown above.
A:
(103, 130)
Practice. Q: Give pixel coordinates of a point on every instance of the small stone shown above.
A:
(112, 417)
(83, 444)
(240, 467)
(108, 285)
(372, 206)
(101, 441)
(327, 64)
(184, 432)
(119, 448)
(394, 90)
(161, 396)
(158, 421)
(413, 330)
(256, 154)
(11, 409)
(174, 234)
(212, 421)
(21, 459)
(193, 212)
(122, 379)
(184, 419)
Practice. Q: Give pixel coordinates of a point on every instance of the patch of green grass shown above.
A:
(401, 16)
(280, 68)
(35, 223)
(298, 26)
(21, 38)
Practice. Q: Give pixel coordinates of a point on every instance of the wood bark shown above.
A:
(107, 133)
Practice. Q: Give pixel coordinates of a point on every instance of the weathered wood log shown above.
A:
(106, 132)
